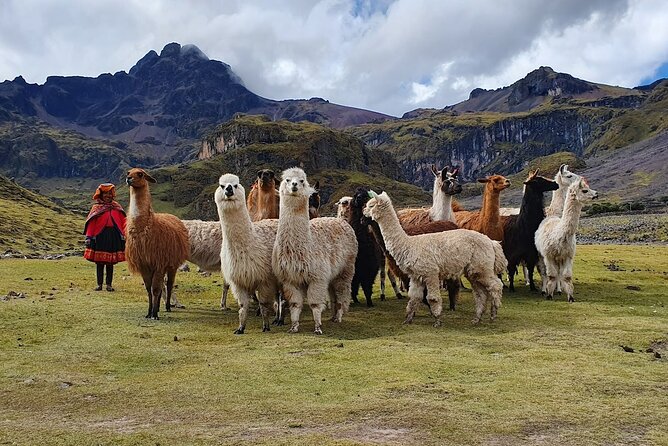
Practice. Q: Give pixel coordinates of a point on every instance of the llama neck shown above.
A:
(396, 240)
(490, 205)
(441, 208)
(140, 203)
(531, 210)
(236, 225)
(557, 204)
(294, 228)
(571, 216)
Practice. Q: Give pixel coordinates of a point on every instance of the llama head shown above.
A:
(377, 206)
(496, 182)
(581, 191)
(564, 177)
(294, 183)
(540, 184)
(229, 194)
(266, 178)
(446, 181)
(138, 178)
(343, 207)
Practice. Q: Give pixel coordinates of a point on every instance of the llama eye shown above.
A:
(585, 191)
(140, 174)
(569, 176)
(301, 181)
(236, 185)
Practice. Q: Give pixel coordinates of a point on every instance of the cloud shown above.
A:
(389, 56)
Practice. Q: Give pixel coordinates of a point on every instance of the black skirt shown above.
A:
(107, 247)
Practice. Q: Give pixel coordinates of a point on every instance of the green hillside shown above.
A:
(32, 224)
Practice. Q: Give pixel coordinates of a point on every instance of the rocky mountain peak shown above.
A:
(544, 81)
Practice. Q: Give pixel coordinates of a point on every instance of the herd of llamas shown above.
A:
(272, 246)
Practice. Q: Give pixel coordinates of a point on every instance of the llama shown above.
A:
(245, 253)
(262, 199)
(394, 270)
(519, 230)
(422, 258)
(486, 221)
(555, 240)
(205, 239)
(343, 207)
(311, 258)
(156, 244)
(314, 202)
(445, 186)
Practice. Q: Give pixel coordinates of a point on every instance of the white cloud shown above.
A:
(389, 56)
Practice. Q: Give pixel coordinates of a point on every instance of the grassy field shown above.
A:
(84, 367)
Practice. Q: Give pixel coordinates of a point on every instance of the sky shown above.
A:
(390, 56)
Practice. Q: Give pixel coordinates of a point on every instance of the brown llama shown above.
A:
(487, 220)
(263, 198)
(156, 244)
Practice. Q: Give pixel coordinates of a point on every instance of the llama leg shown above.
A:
(223, 297)
(340, 287)
(281, 308)
(540, 266)
(156, 290)
(244, 299)
(453, 292)
(479, 297)
(368, 290)
(525, 271)
(393, 282)
(567, 274)
(382, 280)
(295, 298)
(494, 293)
(552, 275)
(315, 296)
(355, 287)
(512, 270)
(148, 279)
(415, 294)
(434, 298)
(171, 275)
(266, 297)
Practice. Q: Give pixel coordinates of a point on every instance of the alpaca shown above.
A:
(564, 179)
(445, 186)
(519, 230)
(205, 239)
(156, 244)
(426, 228)
(262, 199)
(311, 258)
(555, 240)
(245, 253)
(343, 207)
(314, 202)
(486, 221)
(422, 257)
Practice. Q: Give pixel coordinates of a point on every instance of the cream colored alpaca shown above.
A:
(428, 259)
(445, 186)
(343, 207)
(312, 259)
(245, 253)
(556, 243)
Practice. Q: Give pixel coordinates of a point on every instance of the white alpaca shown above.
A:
(555, 240)
(428, 259)
(564, 179)
(445, 186)
(245, 254)
(311, 258)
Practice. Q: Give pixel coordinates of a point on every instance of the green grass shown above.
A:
(84, 367)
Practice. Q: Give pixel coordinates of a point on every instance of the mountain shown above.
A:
(162, 105)
(502, 131)
(32, 224)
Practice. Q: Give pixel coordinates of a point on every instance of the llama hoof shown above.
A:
(407, 321)
(382, 297)
(169, 309)
(318, 331)
(549, 297)
(222, 309)
(180, 306)
(266, 328)
(277, 322)
(571, 299)
(239, 330)
(293, 330)
(438, 323)
(400, 296)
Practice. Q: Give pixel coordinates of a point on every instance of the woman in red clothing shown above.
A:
(105, 233)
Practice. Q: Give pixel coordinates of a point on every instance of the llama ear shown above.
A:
(444, 172)
(483, 180)
(372, 194)
(316, 186)
(434, 170)
(455, 172)
(259, 173)
(563, 168)
(149, 178)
